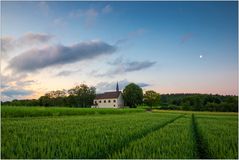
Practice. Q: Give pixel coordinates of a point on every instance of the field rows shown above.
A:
(93, 137)
(220, 135)
(134, 135)
(163, 143)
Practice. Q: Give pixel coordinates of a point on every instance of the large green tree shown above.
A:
(81, 96)
(151, 98)
(133, 95)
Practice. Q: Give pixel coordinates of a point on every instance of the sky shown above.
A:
(169, 47)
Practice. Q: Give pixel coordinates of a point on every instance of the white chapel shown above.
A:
(109, 99)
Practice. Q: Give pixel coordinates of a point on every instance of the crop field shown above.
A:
(128, 133)
(59, 111)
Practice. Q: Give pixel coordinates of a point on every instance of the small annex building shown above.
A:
(109, 99)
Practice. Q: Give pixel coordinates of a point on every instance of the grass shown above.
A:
(219, 135)
(196, 112)
(60, 111)
(39, 132)
(163, 143)
(94, 136)
(201, 148)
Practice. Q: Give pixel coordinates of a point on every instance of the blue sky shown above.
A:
(170, 47)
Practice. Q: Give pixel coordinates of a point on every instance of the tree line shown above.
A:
(199, 102)
(82, 96)
(78, 96)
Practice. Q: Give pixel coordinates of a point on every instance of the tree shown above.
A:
(133, 95)
(151, 98)
(45, 100)
(81, 96)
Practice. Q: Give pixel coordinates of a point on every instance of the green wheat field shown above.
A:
(38, 132)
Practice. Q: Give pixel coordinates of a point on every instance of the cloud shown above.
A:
(67, 73)
(59, 22)
(131, 35)
(121, 41)
(35, 59)
(9, 80)
(136, 33)
(4, 86)
(34, 38)
(143, 84)
(106, 86)
(90, 15)
(107, 9)
(10, 44)
(186, 37)
(44, 7)
(137, 65)
(6, 43)
(25, 83)
(16, 81)
(15, 87)
(119, 66)
(16, 92)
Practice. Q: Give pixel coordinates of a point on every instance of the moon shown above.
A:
(200, 56)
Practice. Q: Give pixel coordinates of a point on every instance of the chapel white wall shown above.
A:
(107, 104)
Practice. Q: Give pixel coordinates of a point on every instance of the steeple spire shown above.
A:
(117, 87)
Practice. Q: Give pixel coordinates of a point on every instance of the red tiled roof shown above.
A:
(108, 95)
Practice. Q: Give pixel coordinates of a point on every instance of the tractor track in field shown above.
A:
(201, 148)
(144, 134)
